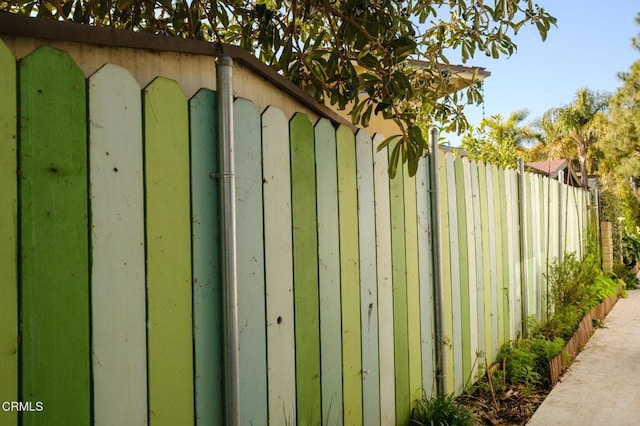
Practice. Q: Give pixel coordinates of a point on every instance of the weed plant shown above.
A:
(440, 410)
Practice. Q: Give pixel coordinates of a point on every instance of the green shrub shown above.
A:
(570, 281)
(563, 323)
(602, 288)
(440, 410)
(622, 272)
(570, 295)
(526, 361)
(630, 247)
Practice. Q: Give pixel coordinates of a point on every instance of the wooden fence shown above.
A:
(110, 270)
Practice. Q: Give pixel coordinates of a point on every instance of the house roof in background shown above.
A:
(461, 70)
(552, 168)
(549, 168)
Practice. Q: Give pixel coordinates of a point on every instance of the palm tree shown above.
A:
(578, 125)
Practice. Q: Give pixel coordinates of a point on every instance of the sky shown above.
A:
(590, 45)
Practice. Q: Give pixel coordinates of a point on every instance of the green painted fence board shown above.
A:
(571, 229)
(548, 225)
(118, 292)
(368, 280)
(413, 285)
(531, 285)
(385, 284)
(445, 271)
(206, 251)
(8, 234)
(498, 258)
(456, 265)
(329, 272)
(533, 242)
(250, 258)
(400, 314)
(54, 241)
(168, 232)
(477, 249)
(350, 276)
(278, 252)
(505, 260)
(553, 224)
(465, 268)
(305, 270)
(425, 253)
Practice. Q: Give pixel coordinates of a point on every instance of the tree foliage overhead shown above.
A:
(621, 146)
(353, 52)
(500, 141)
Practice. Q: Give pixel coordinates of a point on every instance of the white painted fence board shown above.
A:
(250, 257)
(425, 254)
(538, 263)
(118, 267)
(385, 285)
(517, 270)
(368, 279)
(471, 253)
(278, 254)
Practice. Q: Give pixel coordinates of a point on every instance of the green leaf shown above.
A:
(368, 60)
(403, 47)
(387, 141)
(125, 4)
(382, 106)
(367, 115)
(393, 159)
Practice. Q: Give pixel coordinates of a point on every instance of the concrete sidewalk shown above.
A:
(602, 386)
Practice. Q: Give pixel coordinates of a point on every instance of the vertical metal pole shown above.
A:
(224, 77)
(441, 370)
(524, 267)
(561, 217)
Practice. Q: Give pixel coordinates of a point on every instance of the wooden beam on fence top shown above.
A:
(47, 29)
(22, 26)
